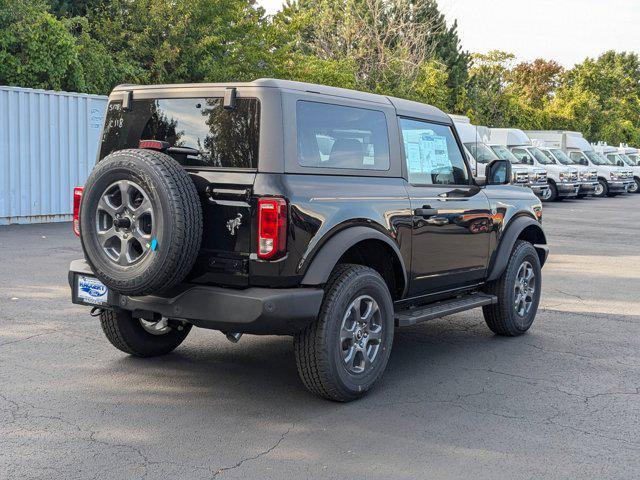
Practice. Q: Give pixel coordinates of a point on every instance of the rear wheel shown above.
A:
(602, 189)
(518, 293)
(344, 352)
(140, 337)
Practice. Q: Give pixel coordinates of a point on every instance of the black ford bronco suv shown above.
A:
(278, 207)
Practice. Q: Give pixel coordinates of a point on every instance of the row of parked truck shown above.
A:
(554, 164)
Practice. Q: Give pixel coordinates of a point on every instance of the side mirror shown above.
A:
(498, 172)
(620, 163)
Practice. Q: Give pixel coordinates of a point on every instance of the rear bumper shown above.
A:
(567, 189)
(269, 311)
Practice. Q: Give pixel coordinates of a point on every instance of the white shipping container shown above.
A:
(48, 145)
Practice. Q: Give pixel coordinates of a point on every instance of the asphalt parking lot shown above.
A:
(456, 401)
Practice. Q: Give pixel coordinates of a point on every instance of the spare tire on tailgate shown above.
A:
(140, 222)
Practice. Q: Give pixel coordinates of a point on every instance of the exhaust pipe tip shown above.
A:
(233, 337)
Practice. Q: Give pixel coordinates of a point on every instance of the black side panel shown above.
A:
(321, 206)
(324, 262)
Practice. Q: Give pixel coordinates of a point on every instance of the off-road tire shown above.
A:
(128, 335)
(501, 318)
(176, 204)
(317, 351)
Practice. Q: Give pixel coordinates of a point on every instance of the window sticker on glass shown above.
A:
(432, 154)
(426, 151)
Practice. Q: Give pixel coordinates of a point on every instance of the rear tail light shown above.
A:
(272, 228)
(77, 198)
(153, 145)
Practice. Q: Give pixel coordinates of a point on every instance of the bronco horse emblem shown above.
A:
(234, 224)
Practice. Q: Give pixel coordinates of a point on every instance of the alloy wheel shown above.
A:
(524, 289)
(125, 223)
(361, 334)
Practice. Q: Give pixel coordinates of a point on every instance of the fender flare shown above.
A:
(327, 257)
(509, 237)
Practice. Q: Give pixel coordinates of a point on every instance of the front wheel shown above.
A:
(635, 188)
(518, 293)
(602, 189)
(342, 354)
(550, 194)
(140, 337)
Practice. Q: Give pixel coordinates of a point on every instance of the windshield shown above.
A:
(541, 157)
(626, 159)
(548, 154)
(481, 152)
(562, 157)
(596, 159)
(504, 154)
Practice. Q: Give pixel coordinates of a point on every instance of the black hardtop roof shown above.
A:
(404, 107)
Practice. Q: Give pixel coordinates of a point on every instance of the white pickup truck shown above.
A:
(611, 179)
(563, 180)
(474, 139)
(623, 157)
(588, 176)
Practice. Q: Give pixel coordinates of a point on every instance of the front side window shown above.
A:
(336, 136)
(432, 154)
(635, 159)
(578, 157)
(522, 155)
(207, 134)
(481, 152)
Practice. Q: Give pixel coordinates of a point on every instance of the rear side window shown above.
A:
(336, 136)
(201, 132)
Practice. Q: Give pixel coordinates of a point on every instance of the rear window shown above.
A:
(201, 132)
(335, 136)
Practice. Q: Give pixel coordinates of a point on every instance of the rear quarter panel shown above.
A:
(320, 206)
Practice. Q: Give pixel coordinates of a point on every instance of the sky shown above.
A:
(567, 31)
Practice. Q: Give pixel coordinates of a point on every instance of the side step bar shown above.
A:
(405, 318)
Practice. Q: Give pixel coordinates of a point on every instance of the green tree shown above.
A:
(535, 82)
(72, 8)
(445, 45)
(192, 41)
(36, 49)
(601, 97)
(381, 41)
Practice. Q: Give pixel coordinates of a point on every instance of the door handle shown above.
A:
(425, 211)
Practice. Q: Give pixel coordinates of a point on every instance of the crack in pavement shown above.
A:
(605, 394)
(19, 340)
(261, 454)
(569, 294)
